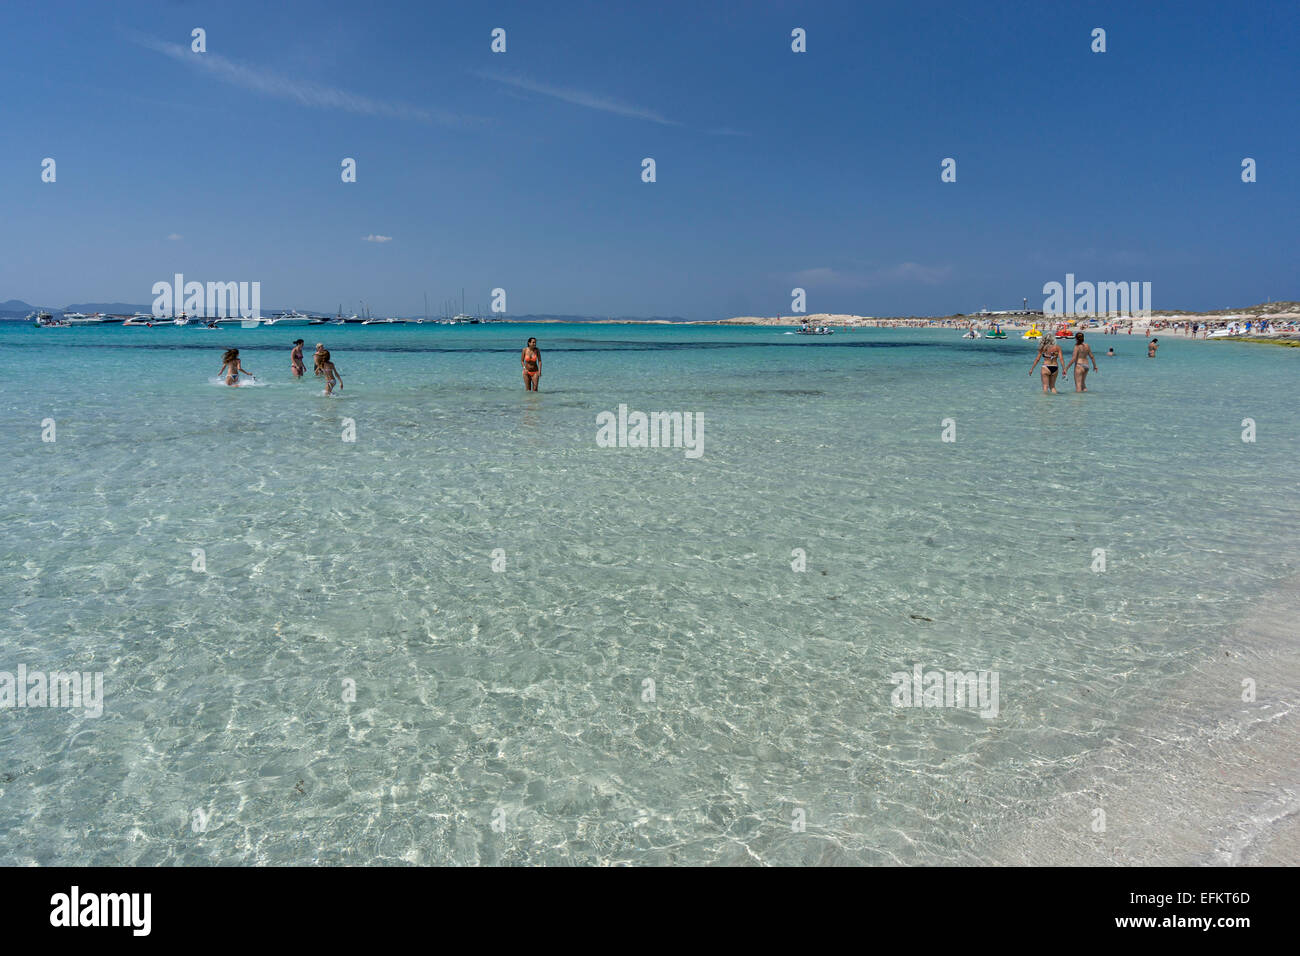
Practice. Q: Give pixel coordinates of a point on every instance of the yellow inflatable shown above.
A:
(1033, 332)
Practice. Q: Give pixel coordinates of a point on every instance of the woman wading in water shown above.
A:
(329, 371)
(231, 368)
(532, 361)
(1082, 355)
(1050, 355)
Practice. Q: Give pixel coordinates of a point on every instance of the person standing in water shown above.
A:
(231, 368)
(330, 372)
(295, 359)
(1082, 355)
(1050, 354)
(316, 359)
(532, 362)
(1151, 348)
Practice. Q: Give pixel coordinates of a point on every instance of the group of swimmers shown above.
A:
(321, 365)
(232, 367)
(1050, 354)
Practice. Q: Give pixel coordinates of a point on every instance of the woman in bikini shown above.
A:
(1050, 355)
(1082, 355)
(330, 372)
(532, 361)
(295, 359)
(231, 368)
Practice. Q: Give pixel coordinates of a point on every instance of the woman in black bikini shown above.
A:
(1050, 355)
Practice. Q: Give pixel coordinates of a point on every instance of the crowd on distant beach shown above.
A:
(1200, 327)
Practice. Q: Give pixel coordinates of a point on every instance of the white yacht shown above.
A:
(292, 317)
(80, 318)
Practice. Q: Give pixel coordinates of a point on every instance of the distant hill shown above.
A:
(14, 308)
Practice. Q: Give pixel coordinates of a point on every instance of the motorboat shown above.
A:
(292, 317)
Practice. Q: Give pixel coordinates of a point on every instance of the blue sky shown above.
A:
(522, 170)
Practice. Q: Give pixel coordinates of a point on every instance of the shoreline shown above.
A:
(1208, 780)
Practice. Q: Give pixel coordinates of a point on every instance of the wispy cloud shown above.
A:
(303, 92)
(913, 272)
(374, 238)
(592, 101)
(900, 273)
(175, 237)
(824, 276)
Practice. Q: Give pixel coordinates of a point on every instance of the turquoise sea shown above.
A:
(643, 678)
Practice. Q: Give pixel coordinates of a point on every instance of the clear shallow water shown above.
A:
(371, 561)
